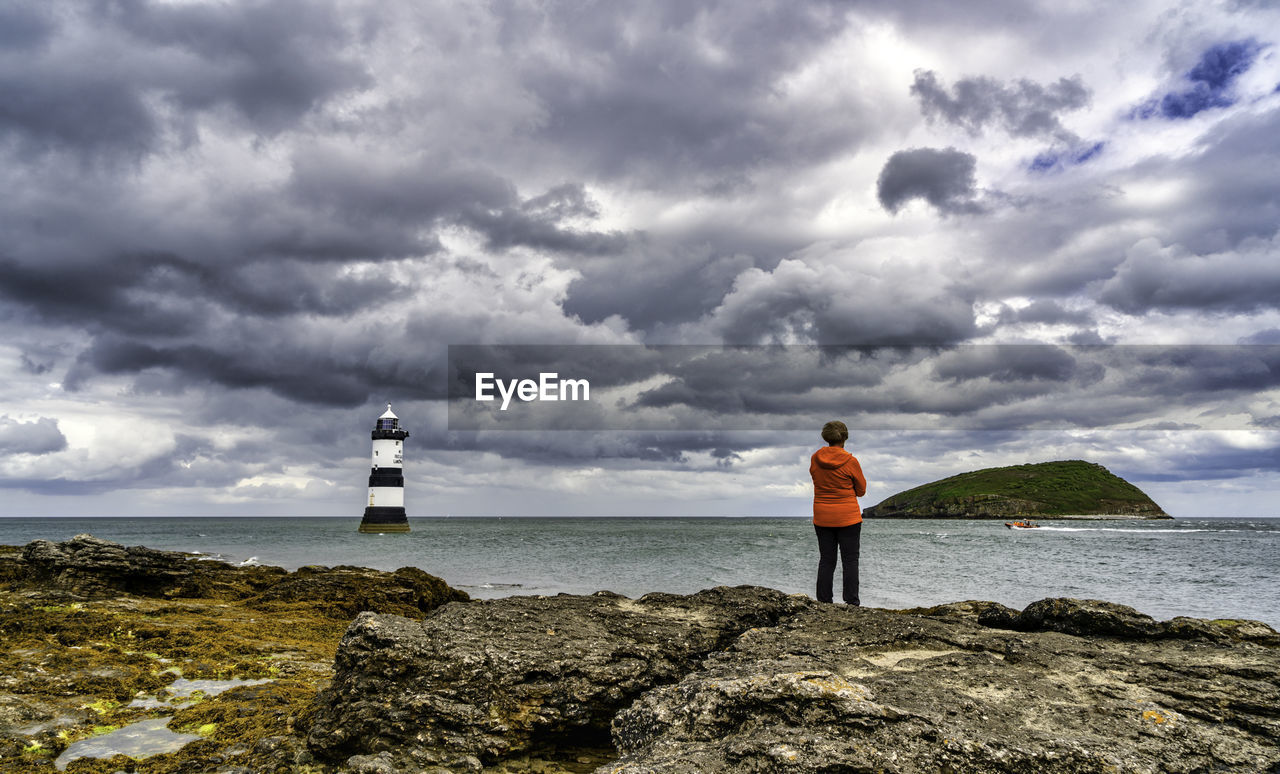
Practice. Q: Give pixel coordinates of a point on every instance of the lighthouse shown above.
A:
(385, 511)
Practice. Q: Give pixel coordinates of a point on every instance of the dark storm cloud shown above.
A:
(780, 381)
(163, 320)
(430, 192)
(615, 450)
(85, 77)
(163, 296)
(33, 366)
(1000, 387)
(1217, 462)
(1023, 108)
(39, 437)
(24, 26)
(1010, 363)
(278, 263)
(653, 283)
(813, 302)
(305, 377)
(1170, 278)
(717, 382)
(51, 109)
(411, 191)
(943, 178)
(1232, 200)
(274, 288)
(536, 223)
(1207, 369)
(679, 94)
(271, 60)
(1269, 336)
(97, 294)
(695, 90)
(1208, 84)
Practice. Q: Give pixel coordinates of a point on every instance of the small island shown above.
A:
(1064, 489)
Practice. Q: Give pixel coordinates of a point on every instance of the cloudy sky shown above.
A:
(232, 231)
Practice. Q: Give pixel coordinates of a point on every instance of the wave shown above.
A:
(1123, 529)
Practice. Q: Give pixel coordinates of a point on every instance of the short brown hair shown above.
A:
(835, 431)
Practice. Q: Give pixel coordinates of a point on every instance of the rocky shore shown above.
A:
(360, 672)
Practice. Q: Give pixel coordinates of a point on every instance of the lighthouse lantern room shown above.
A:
(385, 511)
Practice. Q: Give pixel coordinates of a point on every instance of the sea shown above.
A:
(1205, 568)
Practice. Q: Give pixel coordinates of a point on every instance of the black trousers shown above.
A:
(846, 539)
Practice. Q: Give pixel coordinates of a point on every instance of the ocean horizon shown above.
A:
(1213, 567)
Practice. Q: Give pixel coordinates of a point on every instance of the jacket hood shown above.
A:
(831, 457)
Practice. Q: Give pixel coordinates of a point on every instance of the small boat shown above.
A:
(1021, 525)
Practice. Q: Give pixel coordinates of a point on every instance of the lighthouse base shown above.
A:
(382, 519)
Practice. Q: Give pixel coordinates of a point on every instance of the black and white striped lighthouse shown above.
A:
(385, 512)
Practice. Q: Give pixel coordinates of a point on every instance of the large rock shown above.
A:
(494, 678)
(1088, 617)
(88, 567)
(1097, 618)
(748, 680)
(837, 689)
(344, 592)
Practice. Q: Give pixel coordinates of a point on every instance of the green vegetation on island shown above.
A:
(1046, 490)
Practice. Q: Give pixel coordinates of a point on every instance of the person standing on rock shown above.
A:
(837, 518)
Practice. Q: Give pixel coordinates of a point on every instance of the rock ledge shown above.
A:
(750, 680)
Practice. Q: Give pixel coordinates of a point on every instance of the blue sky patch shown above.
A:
(1050, 160)
(1043, 162)
(1210, 82)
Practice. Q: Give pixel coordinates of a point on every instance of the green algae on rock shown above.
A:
(505, 677)
(97, 635)
(85, 566)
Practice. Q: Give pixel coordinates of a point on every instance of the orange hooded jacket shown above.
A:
(837, 484)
